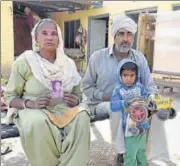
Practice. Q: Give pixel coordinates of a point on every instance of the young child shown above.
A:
(128, 89)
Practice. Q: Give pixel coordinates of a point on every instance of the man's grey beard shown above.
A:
(122, 49)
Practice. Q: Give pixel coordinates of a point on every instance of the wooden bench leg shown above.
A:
(171, 89)
(161, 89)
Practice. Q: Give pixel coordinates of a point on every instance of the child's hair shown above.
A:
(129, 66)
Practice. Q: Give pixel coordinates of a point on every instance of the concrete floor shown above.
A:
(102, 153)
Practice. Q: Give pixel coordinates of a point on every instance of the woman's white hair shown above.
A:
(35, 32)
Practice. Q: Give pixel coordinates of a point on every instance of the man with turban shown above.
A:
(101, 76)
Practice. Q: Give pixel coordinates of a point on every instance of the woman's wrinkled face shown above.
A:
(47, 37)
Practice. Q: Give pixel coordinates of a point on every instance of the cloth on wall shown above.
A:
(81, 38)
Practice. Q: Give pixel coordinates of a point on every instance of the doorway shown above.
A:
(98, 27)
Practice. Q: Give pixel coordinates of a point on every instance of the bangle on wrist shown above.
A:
(24, 103)
(77, 99)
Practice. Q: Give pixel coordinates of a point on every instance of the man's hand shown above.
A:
(70, 100)
(151, 97)
(107, 97)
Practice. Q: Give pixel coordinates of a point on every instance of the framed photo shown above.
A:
(57, 89)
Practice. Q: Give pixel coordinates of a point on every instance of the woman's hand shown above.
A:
(40, 103)
(70, 100)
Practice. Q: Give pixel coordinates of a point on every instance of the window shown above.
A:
(70, 31)
(176, 7)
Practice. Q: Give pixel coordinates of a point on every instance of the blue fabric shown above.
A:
(123, 95)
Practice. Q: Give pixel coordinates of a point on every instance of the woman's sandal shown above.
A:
(7, 150)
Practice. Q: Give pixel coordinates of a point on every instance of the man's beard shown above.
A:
(121, 49)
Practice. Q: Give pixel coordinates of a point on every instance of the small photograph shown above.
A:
(57, 89)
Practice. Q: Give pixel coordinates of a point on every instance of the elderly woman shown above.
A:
(52, 134)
